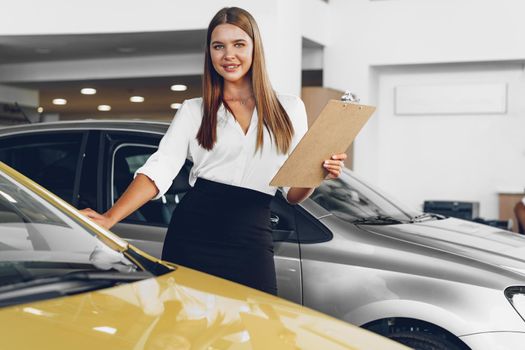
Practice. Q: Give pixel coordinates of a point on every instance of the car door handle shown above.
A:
(274, 220)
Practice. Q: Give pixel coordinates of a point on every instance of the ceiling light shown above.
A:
(59, 101)
(179, 87)
(40, 109)
(175, 105)
(104, 108)
(88, 91)
(136, 99)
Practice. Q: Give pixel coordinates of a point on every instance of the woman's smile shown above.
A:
(231, 67)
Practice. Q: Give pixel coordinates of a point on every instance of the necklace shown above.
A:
(242, 101)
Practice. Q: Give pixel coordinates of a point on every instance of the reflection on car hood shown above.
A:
(180, 310)
(482, 243)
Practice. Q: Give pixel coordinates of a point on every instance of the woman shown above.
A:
(237, 135)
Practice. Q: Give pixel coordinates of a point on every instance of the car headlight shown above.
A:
(516, 297)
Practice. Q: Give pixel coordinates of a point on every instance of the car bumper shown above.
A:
(495, 340)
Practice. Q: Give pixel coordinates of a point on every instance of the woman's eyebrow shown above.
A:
(234, 41)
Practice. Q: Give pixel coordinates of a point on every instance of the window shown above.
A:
(292, 224)
(127, 158)
(50, 159)
(282, 220)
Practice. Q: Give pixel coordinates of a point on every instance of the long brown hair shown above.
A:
(272, 115)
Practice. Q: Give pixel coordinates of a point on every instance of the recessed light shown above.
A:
(104, 108)
(59, 101)
(136, 99)
(40, 109)
(179, 87)
(175, 105)
(88, 91)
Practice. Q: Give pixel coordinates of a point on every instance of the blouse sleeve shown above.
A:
(300, 125)
(164, 165)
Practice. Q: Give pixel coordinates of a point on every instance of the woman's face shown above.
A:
(231, 51)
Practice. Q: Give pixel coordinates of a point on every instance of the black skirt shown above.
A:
(225, 231)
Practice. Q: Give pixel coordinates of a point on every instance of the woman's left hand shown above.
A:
(334, 166)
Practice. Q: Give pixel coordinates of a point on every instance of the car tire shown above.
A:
(419, 340)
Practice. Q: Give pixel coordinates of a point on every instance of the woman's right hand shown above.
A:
(141, 190)
(101, 219)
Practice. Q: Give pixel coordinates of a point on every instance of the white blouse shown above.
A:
(233, 160)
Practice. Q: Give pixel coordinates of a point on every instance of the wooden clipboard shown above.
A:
(331, 133)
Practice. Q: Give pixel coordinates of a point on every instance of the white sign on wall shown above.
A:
(472, 98)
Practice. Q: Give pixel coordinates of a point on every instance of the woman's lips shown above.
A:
(230, 67)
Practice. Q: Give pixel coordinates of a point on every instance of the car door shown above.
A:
(125, 152)
(286, 249)
(50, 158)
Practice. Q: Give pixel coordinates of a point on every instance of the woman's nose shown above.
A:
(229, 54)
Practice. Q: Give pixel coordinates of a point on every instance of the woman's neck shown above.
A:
(238, 89)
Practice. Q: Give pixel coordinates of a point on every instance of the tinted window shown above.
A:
(293, 224)
(49, 159)
(126, 160)
(282, 220)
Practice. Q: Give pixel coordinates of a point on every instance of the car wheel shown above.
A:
(422, 340)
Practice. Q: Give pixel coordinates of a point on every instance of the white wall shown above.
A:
(468, 157)
(114, 16)
(315, 19)
(24, 97)
(410, 33)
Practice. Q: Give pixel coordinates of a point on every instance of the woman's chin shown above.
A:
(231, 78)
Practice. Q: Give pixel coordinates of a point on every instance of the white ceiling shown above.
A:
(115, 92)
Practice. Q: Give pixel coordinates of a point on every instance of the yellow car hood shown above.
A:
(183, 309)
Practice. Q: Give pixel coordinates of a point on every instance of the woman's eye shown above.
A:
(218, 47)
(239, 45)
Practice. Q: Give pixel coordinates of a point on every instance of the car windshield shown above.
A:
(350, 199)
(37, 240)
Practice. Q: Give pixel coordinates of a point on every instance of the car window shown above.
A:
(50, 159)
(127, 158)
(282, 219)
(351, 200)
(292, 224)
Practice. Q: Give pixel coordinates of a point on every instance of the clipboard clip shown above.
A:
(350, 97)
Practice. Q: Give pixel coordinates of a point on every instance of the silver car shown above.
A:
(350, 251)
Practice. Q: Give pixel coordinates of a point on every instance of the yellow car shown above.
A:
(66, 283)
